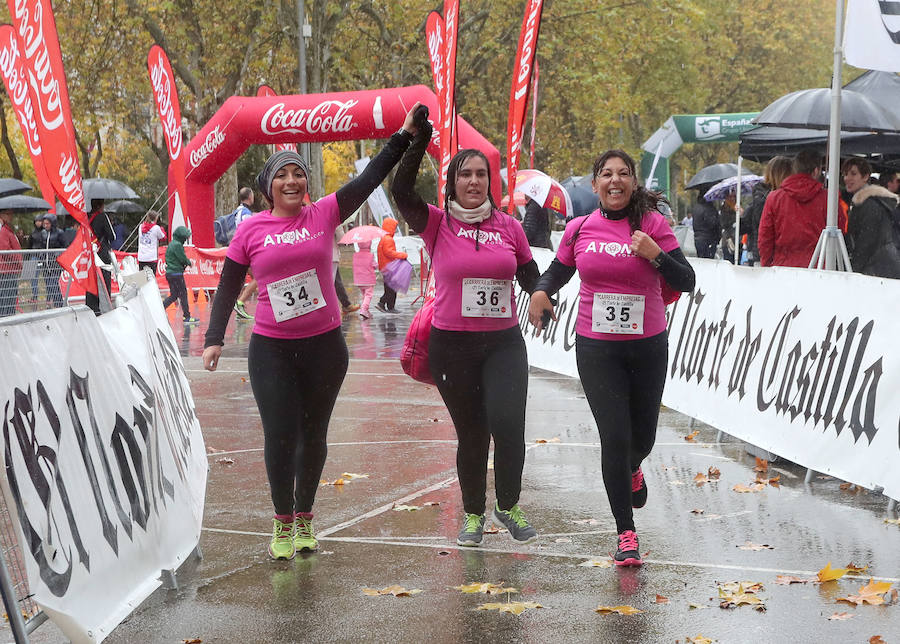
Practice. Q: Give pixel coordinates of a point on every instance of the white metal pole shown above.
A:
(831, 245)
(737, 216)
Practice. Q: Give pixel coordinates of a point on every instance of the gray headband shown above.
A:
(275, 163)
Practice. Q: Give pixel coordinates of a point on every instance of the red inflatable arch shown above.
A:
(341, 116)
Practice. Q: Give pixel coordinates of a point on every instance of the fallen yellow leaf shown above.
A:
(516, 608)
(350, 476)
(876, 639)
(838, 616)
(856, 570)
(690, 437)
(429, 504)
(486, 588)
(714, 473)
(193, 640)
(396, 591)
(871, 593)
(786, 580)
(756, 546)
(338, 482)
(407, 508)
(698, 640)
(762, 465)
(700, 479)
(620, 610)
(693, 606)
(894, 521)
(225, 460)
(756, 487)
(830, 574)
(596, 563)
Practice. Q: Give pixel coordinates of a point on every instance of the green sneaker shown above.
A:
(282, 544)
(242, 311)
(304, 539)
(514, 520)
(472, 532)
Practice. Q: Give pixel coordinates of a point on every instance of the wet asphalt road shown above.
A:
(397, 433)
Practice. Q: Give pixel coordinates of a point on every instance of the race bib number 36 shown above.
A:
(486, 298)
(295, 295)
(617, 313)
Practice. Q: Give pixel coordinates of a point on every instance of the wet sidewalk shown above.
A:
(395, 437)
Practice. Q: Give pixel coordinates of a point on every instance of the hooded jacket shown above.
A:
(176, 260)
(792, 222)
(753, 214)
(387, 249)
(870, 238)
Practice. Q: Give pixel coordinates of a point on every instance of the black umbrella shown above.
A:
(712, 174)
(99, 188)
(10, 186)
(122, 206)
(584, 200)
(811, 108)
(23, 203)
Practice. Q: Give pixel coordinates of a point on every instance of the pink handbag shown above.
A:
(414, 355)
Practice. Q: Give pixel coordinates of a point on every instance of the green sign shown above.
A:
(702, 128)
(660, 179)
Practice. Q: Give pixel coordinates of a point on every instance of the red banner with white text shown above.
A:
(16, 81)
(35, 26)
(434, 35)
(518, 95)
(451, 31)
(265, 90)
(165, 94)
(203, 273)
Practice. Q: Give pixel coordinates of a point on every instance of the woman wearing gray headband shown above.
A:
(297, 356)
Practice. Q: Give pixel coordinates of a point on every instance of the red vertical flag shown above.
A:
(265, 90)
(434, 34)
(35, 27)
(16, 80)
(451, 30)
(518, 95)
(165, 93)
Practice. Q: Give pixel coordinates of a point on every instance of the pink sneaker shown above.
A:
(627, 553)
(638, 489)
(365, 315)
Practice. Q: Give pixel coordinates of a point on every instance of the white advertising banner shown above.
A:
(872, 35)
(801, 363)
(104, 459)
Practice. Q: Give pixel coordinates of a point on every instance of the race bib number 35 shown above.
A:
(486, 298)
(617, 313)
(295, 295)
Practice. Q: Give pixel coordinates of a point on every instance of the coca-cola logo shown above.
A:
(166, 98)
(41, 73)
(328, 117)
(213, 140)
(17, 86)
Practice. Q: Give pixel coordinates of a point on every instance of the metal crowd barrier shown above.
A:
(30, 281)
(22, 613)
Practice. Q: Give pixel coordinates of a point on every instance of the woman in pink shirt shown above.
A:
(476, 352)
(621, 251)
(297, 356)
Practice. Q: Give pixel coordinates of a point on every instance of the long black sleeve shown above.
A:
(555, 277)
(527, 275)
(230, 284)
(403, 187)
(353, 194)
(677, 271)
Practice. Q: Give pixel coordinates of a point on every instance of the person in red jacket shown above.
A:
(387, 252)
(794, 215)
(10, 265)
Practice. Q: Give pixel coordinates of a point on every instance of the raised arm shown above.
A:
(354, 193)
(403, 187)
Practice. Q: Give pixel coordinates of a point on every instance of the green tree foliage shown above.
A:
(611, 71)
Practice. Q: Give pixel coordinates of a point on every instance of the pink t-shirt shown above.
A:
(279, 248)
(602, 254)
(474, 290)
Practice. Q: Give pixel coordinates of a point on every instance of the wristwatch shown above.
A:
(656, 262)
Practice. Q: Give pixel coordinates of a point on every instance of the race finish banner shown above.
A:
(105, 466)
(808, 373)
(687, 128)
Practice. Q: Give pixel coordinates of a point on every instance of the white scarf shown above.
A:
(469, 216)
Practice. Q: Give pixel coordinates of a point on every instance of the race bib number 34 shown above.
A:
(295, 295)
(486, 298)
(617, 313)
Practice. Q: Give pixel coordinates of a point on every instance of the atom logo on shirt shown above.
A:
(614, 249)
(291, 237)
(484, 237)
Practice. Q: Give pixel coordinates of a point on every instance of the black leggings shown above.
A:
(177, 291)
(296, 383)
(623, 382)
(388, 298)
(483, 379)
